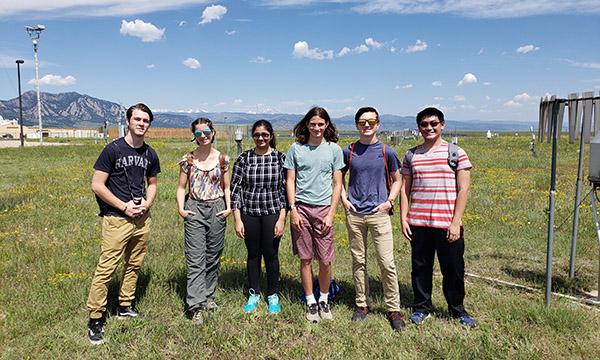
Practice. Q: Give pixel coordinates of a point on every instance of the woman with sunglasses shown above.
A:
(259, 208)
(205, 171)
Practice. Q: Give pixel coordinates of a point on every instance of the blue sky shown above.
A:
(474, 59)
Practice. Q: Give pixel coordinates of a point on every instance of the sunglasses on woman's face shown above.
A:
(363, 122)
(206, 132)
(263, 135)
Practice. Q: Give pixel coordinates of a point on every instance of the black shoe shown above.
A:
(124, 312)
(96, 331)
(360, 313)
(396, 320)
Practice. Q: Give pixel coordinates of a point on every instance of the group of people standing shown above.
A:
(308, 183)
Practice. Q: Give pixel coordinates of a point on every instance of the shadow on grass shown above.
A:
(562, 284)
(178, 283)
(235, 279)
(114, 286)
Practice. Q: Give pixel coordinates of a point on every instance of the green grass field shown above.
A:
(49, 245)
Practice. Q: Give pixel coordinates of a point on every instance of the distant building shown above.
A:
(10, 129)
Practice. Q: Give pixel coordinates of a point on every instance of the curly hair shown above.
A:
(301, 129)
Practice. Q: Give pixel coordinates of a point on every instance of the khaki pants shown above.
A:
(120, 236)
(380, 226)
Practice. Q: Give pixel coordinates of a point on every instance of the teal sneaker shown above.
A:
(253, 300)
(274, 307)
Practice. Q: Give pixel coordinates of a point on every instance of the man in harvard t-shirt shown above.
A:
(437, 194)
(119, 180)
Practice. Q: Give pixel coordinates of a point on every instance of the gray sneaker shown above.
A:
(197, 317)
(312, 313)
(325, 311)
(211, 305)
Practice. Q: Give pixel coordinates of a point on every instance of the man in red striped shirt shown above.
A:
(433, 199)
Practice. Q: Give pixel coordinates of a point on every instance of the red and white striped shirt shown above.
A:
(433, 191)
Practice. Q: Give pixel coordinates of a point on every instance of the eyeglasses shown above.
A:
(206, 132)
(425, 124)
(263, 135)
(363, 122)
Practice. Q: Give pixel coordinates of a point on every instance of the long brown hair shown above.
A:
(301, 129)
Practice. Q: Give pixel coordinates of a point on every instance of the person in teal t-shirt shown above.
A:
(314, 184)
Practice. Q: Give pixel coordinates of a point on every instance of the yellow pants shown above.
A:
(120, 236)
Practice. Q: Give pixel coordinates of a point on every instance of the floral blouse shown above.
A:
(204, 184)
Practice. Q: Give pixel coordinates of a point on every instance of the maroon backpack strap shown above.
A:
(350, 156)
(387, 170)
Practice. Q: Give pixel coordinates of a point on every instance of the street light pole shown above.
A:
(19, 62)
(34, 33)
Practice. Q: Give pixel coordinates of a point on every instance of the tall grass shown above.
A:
(49, 245)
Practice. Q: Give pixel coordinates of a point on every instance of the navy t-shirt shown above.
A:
(367, 185)
(118, 157)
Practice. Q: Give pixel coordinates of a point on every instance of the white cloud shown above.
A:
(480, 51)
(237, 101)
(191, 63)
(261, 60)
(438, 98)
(9, 61)
(345, 51)
(585, 65)
(182, 23)
(362, 48)
(303, 50)
(90, 8)
(436, 83)
(487, 83)
(512, 104)
(372, 43)
(527, 48)
(418, 46)
(212, 13)
(476, 8)
(407, 86)
(150, 66)
(468, 79)
(518, 100)
(467, 8)
(230, 33)
(459, 98)
(55, 80)
(143, 30)
(524, 97)
(392, 49)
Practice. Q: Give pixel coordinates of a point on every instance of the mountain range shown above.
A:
(74, 110)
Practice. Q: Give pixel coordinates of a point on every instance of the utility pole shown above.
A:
(19, 62)
(34, 33)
